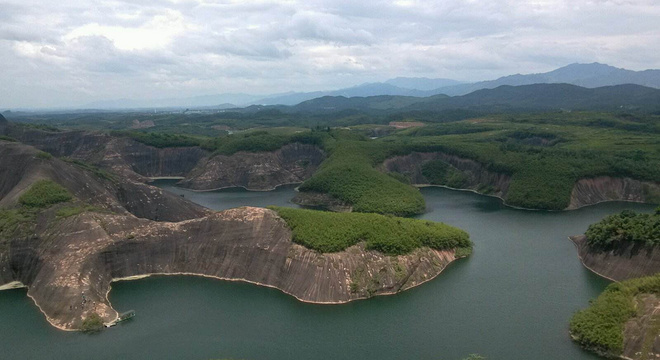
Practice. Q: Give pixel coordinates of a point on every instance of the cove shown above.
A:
(512, 299)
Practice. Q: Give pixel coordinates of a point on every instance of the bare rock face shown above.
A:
(69, 263)
(478, 176)
(69, 274)
(641, 334)
(293, 163)
(626, 261)
(124, 156)
(128, 157)
(23, 166)
(605, 188)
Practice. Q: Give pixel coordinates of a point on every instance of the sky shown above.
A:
(69, 53)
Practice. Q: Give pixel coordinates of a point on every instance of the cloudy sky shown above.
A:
(69, 53)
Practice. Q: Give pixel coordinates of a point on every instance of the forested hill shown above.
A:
(541, 97)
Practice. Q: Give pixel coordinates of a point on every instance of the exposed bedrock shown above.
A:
(293, 163)
(605, 188)
(123, 156)
(641, 334)
(477, 175)
(625, 261)
(68, 266)
(22, 166)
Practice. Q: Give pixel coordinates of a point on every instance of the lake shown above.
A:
(512, 299)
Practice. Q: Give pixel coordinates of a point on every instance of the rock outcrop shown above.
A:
(641, 334)
(68, 263)
(293, 163)
(626, 261)
(69, 275)
(22, 165)
(605, 188)
(124, 156)
(478, 177)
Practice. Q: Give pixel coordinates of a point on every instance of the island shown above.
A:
(624, 321)
(68, 230)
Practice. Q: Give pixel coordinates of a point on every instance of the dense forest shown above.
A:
(627, 226)
(333, 232)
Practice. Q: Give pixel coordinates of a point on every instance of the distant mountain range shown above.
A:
(535, 97)
(584, 75)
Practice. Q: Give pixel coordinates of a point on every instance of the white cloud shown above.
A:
(71, 52)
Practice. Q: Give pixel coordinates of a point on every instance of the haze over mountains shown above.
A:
(585, 75)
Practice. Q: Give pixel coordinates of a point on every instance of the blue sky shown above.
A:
(68, 53)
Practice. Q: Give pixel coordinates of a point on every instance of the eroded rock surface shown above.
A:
(293, 163)
(626, 261)
(605, 188)
(68, 263)
(68, 267)
(477, 176)
(642, 333)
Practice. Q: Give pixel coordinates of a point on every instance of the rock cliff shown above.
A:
(605, 188)
(123, 156)
(478, 177)
(293, 163)
(626, 261)
(68, 263)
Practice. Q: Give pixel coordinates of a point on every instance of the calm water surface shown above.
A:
(512, 299)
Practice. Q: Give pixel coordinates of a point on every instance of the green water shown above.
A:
(511, 299)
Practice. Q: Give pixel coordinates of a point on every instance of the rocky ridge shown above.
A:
(69, 263)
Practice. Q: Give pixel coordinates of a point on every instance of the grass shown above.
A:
(601, 325)
(332, 232)
(44, 193)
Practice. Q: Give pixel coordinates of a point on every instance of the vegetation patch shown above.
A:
(349, 175)
(44, 193)
(92, 323)
(627, 226)
(7, 138)
(600, 326)
(332, 232)
(438, 172)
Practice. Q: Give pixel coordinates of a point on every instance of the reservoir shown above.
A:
(512, 299)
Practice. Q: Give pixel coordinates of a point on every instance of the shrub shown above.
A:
(626, 226)
(333, 232)
(601, 325)
(92, 323)
(44, 193)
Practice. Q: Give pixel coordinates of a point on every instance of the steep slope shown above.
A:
(124, 156)
(68, 260)
(293, 163)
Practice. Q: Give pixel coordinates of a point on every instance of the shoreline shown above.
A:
(582, 261)
(143, 276)
(229, 187)
(530, 209)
